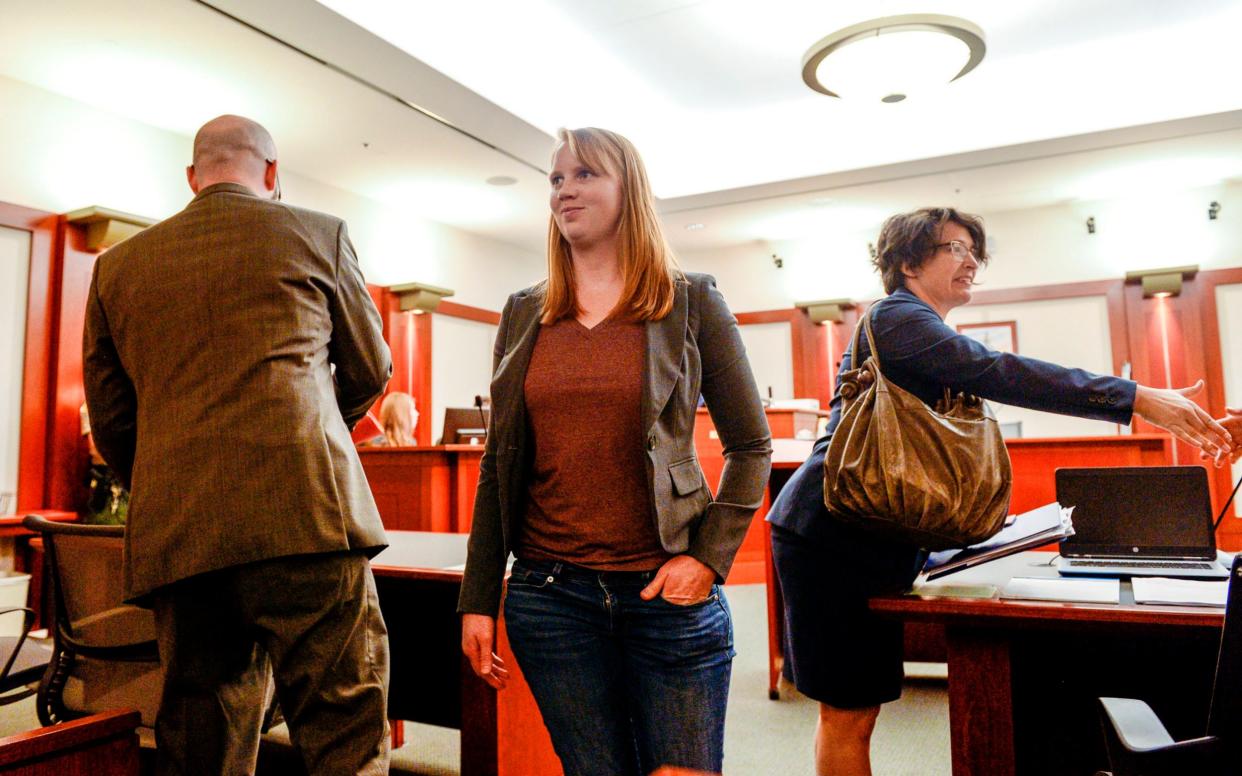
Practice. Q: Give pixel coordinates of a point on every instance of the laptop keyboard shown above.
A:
(1150, 564)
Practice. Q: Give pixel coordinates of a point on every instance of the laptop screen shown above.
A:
(1141, 511)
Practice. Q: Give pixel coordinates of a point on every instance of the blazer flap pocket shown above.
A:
(687, 477)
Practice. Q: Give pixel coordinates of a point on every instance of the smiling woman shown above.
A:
(828, 566)
(614, 608)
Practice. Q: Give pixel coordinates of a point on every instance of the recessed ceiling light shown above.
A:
(693, 227)
(502, 180)
(891, 58)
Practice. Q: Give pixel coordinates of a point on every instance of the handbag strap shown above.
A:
(864, 326)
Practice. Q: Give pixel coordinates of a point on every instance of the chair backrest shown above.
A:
(85, 565)
(106, 655)
(1225, 715)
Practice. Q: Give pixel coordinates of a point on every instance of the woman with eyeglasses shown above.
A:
(836, 651)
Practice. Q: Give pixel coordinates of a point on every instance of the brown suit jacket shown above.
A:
(695, 349)
(227, 353)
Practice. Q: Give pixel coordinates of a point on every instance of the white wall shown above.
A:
(769, 347)
(461, 366)
(1029, 248)
(1229, 312)
(1071, 332)
(14, 276)
(61, 155)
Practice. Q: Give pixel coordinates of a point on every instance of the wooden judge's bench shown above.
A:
(432, 488)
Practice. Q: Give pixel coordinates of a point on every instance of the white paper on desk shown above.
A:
(1092, 591)
(1190, 592)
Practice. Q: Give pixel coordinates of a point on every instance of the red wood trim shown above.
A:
(404, 572)
(1221, 277)
(765, 316)
(66, 452)
(1230, 533)
(1117, 327)
(981, 706)
(68, 735)
(422, 374)
(825, 364)
(41, 310)
(456, 310)
(805, 355)
(1040, 293)
(379, 297)
(1004, 612)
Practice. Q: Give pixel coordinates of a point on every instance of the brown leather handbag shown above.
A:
(939, 478)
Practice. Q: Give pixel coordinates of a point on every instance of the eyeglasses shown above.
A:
(959, 250)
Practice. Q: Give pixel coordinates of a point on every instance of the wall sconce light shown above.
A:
(826, 310)
(105, 228)
(419, 297)
(1213, 210)
(1162, 282)
(1091, 225)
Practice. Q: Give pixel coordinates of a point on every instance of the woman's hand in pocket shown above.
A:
(682, 580)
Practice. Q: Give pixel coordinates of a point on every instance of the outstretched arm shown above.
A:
(1172, 410)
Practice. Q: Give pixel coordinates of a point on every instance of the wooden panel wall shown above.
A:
(40, 325)
(52, 455)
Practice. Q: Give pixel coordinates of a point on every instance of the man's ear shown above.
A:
(907, 271)
(271, 179)
(191, 178)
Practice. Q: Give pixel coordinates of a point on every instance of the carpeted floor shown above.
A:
(762, 737)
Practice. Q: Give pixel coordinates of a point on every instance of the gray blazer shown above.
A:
(695, 349)
(227, 351)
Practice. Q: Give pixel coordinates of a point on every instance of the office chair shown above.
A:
(24, 661)
(1139, 745)
(104, 653)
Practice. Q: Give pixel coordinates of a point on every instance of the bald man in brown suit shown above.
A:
(228, 351)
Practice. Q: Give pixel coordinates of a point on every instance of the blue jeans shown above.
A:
(624, 685)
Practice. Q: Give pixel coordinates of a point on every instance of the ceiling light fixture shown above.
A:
(893, 57)
(502, 180)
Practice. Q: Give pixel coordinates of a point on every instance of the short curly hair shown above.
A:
(907, 240)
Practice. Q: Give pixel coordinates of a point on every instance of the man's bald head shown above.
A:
(234, 149)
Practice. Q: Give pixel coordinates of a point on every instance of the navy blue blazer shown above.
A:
(923, 355)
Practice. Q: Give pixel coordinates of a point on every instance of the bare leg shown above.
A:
(843, 741)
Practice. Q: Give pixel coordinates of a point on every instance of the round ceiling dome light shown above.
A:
(894, 57)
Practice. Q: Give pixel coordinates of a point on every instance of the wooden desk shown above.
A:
(103, 744)
(418, 579)
(423, 488)
(1024, 675)
(11, 525)
(1034, 465)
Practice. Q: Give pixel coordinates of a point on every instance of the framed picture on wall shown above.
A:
(997, 335)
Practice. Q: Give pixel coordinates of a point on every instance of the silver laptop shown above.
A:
(1153, 521)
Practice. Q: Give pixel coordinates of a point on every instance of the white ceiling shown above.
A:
(709, 90)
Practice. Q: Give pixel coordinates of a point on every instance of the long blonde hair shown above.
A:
(398, 416)
(648, 267)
